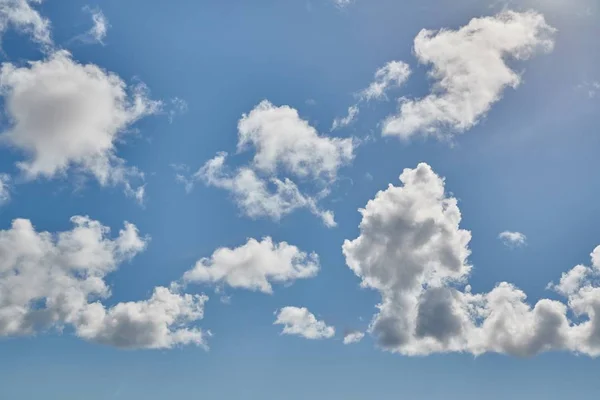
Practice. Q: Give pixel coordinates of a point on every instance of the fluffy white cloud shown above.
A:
(393, 74)
(286, 147)
(412, 250)
(353, 337)
(255, 266)
(513, 239)
(100, 26)
(65, 115)
(301, 322)
(19, 15)
(259, 197)
(4, 188)
(470, 70)
(282, 139)
(347, 120)
(48, 281)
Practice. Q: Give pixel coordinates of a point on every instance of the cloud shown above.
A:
(4, 188)
(258, 197)
(513, 239)
(285, 148)
(282, 139)
(342, 3)
(98, 31)
(347, 120)
(255, 266)
(393, 74)
(353, 337)
(412, 250)
(19, 15)
(64, 115)
(300, 322)
(470, 71)
(52, 280)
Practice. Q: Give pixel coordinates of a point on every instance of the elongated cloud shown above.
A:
(51, 280)
(19, 15)
(513, 239)
(301, 322)
(255, 266)
(469, 66)
(412, 250)
(64, 115)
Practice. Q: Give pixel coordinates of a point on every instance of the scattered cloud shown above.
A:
(513, 239)
(591, 88)
(347, 120)
(255, 266)
(285, 147)
(19, 15)
(301, 322)
(98, 31)
(342, 3)
(178, 107)
(393, 74)
(353, 337)
(75, 121)
(470, 70)
(50, 280)
(4, 188)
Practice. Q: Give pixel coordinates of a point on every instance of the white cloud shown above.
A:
(48, 281)
(342, 3)
(67, 115)
(353, 337)
(513, 239)
(470, 70)
(282, 139)
(285, 147)
(393, 74)
(255, 266)
(4, 188)
(98, 31)
(347, 120)
(411, 249)
(258, 197)
(19, 15)
(300, 322)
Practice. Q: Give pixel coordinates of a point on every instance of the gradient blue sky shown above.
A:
(529, 166)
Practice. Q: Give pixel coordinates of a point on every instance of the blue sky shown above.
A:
(211, 283)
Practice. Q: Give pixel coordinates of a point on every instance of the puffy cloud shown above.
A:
(255, 266)
(19, 14)
(285, 147)
(347, 120)
(48, 281)
(513, 239)
(4, 188)
(393, 74)
(67, 115)
(301, 322)
(412, 250)
(470, 70)
(282, 138)
(256, 196)
(99, 29)
(353, 337)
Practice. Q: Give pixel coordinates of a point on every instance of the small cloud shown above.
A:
(353, 337)
(178, 107)
(4, 188)
(513, 239)
(347, 120)
(342, 3)
(311, 102)
(97, 33)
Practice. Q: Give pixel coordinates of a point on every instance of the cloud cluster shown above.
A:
(285, 147)
(412, 250)
(469, 66)
(19, 15)
(301, 322)
(64, 115)
(49, 281)
(255, 266)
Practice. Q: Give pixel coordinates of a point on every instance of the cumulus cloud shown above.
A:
(52, 280)
(353, 337)
(347, 120)
(255, 266)
(469, 66)
(412, 250)
(301, 322)
(513, 239)
(393, 74)
(99, 29)
(4, 188)
(64, 115)
(19, 15)
(285, 147)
